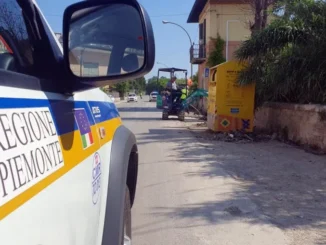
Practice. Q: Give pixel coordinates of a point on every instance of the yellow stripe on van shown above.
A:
(73, 154)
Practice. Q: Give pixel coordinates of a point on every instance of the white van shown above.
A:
(132, 97)
(68, 166)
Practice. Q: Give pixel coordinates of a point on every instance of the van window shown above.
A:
(13, 32)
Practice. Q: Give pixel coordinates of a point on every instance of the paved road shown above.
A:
(176, 202)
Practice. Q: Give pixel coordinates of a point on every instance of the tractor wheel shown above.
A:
(165, 115)
(181, 116)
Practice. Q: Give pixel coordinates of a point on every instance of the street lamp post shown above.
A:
(169, 22)
(159, 63)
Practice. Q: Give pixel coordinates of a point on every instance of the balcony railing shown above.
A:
(197, 54)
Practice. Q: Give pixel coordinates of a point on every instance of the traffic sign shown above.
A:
(206, 72)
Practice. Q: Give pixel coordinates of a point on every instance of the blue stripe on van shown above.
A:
(62, 111)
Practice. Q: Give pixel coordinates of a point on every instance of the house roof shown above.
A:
(196, 10)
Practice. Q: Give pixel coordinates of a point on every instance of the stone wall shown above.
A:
(302, 124)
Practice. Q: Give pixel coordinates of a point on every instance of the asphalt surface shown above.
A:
(176, 202)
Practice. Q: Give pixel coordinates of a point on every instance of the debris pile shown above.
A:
(202, 124)
(239, 137)
(202, 132)
(234, 136)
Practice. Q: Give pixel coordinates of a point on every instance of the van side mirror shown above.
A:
(107, 40)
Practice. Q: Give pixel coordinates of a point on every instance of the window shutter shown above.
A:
(204, 32)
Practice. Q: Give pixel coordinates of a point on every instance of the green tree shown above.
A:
(216, 57)
(286, 58)
(154, 84)
(105, 89)
(181, 81)
(140, 85)
(122, 88)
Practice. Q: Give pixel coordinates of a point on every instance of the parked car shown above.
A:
(153, 96)
(132, 97)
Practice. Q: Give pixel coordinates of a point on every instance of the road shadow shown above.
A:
(286, 184)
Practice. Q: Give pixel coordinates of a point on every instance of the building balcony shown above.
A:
(197, 54)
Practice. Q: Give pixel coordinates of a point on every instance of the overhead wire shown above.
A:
(151, 16)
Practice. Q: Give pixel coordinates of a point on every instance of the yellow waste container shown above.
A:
(230, 106)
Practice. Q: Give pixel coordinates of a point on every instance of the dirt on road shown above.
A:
(287, 184)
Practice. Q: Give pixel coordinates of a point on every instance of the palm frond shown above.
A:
(287, 59)
(273, 38)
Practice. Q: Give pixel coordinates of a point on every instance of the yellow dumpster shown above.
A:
(230, 106)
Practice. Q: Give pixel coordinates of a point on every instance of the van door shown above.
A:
(50, 164)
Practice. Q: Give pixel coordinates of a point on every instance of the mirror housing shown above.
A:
(107, 41)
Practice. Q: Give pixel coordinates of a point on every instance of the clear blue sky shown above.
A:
(172, 43)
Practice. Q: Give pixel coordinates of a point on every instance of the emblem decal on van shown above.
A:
(84, 127)
(29, 149)
(96, 176)
(96, 111)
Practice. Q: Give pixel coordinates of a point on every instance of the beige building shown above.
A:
(94, 62)
(228, 18)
